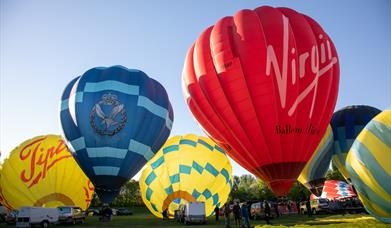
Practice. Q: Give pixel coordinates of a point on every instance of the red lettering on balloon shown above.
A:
(41, 160)
(282, 73)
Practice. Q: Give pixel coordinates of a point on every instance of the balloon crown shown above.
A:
(109, 99)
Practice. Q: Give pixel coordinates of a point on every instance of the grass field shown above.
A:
(142, 218)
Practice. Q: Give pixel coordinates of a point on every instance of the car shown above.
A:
(10, 218)
(124, 211)
(319, 205)
(71, 214)
(93, 212)
(30, 216)
(3, 213)
(257, 210)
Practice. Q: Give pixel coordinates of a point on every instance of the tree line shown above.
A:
(245, 188)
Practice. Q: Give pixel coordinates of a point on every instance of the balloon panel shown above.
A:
(256, 86)
(188, 168)
(369, 165)
(42, 172)
(115, 119)
(314, 173)
(335, 189)
(347, 123)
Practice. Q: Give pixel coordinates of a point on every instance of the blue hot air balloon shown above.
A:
(114, 120)
(347, 123)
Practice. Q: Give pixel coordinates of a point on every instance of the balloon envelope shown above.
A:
(114, 119)
(347, 123)
(42, 172)
(335, 190)
(188, 168)
(369, 166)
(263, 84)
(314, 172)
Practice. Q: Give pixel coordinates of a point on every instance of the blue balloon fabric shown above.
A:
(347, 123)
(114, 120)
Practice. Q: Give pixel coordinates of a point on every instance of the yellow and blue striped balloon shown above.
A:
(314, 172)
(369, 165)
(347, 123)
(188, 168)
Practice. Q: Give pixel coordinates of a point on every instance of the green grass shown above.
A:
(143, 218)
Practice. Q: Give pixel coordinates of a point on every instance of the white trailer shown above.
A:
(194, 212)
(29, 216)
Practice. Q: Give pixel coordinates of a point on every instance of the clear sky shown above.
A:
(45, 44)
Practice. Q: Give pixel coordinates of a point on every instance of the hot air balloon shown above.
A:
(369, 166)
(3, 200)
(347, 123)
(314, 172)
(188, 168)
(114, 120)
(263, 84)
(42, 172)
(335, 190)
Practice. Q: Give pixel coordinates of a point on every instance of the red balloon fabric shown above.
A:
(263, 84)
(335, 189)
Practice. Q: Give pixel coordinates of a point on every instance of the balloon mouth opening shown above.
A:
(54, 199)
(176, 197)
(281, 188)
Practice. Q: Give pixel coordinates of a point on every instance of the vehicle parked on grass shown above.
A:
(257, 210)
(10, 218)
(124, 211)
(29, 216)
(319, 205)
(71, 215)
(93, 212)
(3, 213)
(192, 212)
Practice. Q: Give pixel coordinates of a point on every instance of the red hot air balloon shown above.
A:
(263, 84)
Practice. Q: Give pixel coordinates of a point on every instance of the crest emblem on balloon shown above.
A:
(111, 123)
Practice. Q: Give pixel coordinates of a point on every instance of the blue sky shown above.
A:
(45, 44)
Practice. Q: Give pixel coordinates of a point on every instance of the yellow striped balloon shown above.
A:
(314, 172)
(369, 165)
(3, 201)
(186, 169)
(42, 172)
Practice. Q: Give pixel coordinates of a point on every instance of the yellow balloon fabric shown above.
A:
(42, 172)
(3, 201)
(186, 169)
(369, 165)
(314, 172)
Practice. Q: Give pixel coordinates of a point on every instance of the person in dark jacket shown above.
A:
(227, 211)
(267, 212)
(236, 211)
(217, 211)
(308, 207)
(245, 216)
(276, 209)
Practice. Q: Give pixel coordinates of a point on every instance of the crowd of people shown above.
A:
(241, 214)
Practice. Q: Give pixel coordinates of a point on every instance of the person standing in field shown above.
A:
(227, 212)
(217, 211)
(267, 212)
(236, 212)
(245, 216)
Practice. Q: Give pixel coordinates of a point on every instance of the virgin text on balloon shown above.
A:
(282, 74)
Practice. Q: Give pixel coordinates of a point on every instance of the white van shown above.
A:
(193, 212)
(29, 216)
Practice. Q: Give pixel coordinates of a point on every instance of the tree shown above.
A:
(334, 174)
(129, 195)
